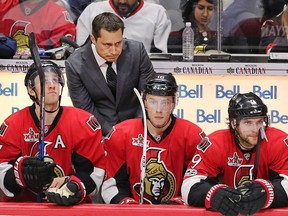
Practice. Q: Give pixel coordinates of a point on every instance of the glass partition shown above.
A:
(227, 26)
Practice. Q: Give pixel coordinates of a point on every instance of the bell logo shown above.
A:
(12, 90)
(202, 116)
(196, 92)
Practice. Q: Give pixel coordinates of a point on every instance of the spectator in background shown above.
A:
(86, 73)
(171, 144)
(76, 7)
(242, 21)
(48, 20)
(199, 13)
(241, 26)
(241, 169)
(144, 22)
(273, 31)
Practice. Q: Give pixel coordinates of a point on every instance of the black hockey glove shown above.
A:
(33, 173)
(257, 194)
(70, 193)
(223, 199)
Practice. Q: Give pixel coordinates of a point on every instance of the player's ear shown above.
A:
(233, 124)
(30, 91)
(92, 38)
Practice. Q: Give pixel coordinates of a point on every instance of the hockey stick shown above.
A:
(261, 136)
(143, 159)
(36, 58)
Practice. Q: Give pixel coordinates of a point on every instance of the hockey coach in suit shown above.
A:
(93, 87)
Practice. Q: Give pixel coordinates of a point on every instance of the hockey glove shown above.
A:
(223, 199)
(257, 194)
(174, 201)
(33, 173)
(128, 200)
(71, 192)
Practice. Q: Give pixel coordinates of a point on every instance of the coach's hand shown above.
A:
(256, 195)
(33, 173)
(70, 193)
(223, 199)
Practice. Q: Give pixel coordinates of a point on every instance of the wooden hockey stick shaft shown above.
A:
(143, 159)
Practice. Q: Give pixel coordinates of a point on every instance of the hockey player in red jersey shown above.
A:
(74, 161)
(171, 144)
(241, 169)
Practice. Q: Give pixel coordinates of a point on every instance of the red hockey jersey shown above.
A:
(167, 158)
(73, 141)
(220, 157)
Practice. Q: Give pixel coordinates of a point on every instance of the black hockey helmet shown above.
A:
(47, 66)
(161, 84)
(247, 105)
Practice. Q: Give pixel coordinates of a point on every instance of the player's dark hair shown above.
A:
(108, 21)
(188, 10)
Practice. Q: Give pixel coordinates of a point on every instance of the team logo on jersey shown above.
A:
(235, 160)
(19, 33)
(3, 129)
(67, 16)
(243, 174)
(139, 141)
(204, 144)
(93, 123)
(159, 182)
(31, 136)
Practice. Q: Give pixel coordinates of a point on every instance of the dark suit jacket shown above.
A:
(89, 91)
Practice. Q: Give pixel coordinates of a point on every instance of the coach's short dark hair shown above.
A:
(108, 21)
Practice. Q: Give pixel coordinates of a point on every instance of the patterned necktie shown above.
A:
(111, 78)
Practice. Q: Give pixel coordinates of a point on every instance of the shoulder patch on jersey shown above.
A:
(286, 141)
(93, 123)
(202, 134)
(204, 144)
(112, 130)
(3, 129)
(67, 16)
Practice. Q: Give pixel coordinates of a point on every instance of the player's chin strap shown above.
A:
(261, 136)
(48, 111)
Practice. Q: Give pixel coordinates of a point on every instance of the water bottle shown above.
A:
(188, 42)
